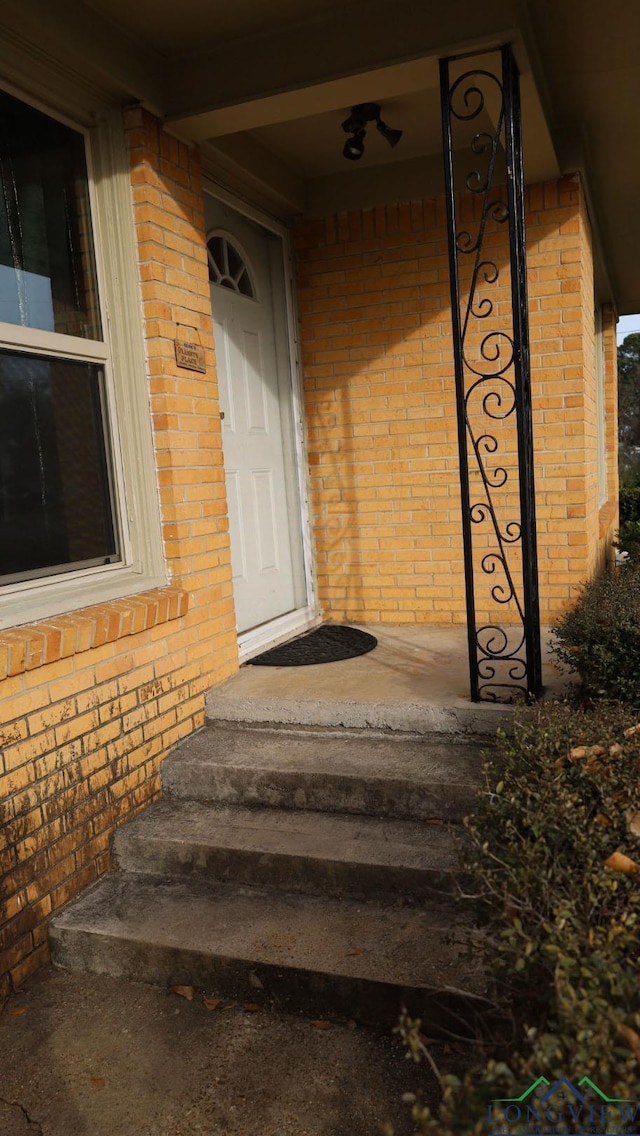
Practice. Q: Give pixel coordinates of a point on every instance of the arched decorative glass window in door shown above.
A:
(228, 265)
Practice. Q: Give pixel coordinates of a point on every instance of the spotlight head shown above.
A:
(354, 147)
(392, 136)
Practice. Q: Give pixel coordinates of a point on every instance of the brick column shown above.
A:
(169, 215)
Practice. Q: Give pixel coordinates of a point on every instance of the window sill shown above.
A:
(36, 644)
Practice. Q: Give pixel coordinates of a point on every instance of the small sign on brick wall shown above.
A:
(190, 355)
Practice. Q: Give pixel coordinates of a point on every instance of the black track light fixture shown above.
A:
(356, 124)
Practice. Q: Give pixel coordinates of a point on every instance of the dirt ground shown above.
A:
(88, 1055)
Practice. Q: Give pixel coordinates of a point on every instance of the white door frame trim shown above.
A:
(277, 630)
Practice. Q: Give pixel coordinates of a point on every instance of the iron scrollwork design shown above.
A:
(489, 382)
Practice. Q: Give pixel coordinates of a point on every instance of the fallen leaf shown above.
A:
(578, 753)
(183, 991)
(322, 1025)
(252, 1008)
(597, 751)
(357, 951)
(255, 981)
(615, 750)
(595, 767)
(97, 1082)
(632, 730)
(17, 1011)
(618, 862)
(632, 1039)
(633, 820)
(600, 818)
(211, 1003)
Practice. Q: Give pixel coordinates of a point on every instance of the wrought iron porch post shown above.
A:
(492, 378)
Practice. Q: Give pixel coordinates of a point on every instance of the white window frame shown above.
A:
(127, 417)
(601, 413)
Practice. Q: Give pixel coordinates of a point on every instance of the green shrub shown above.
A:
(629, 503)
(600, 637)
(561, 925)
(628, 538)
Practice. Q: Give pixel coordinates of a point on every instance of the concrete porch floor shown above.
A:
(416, 679)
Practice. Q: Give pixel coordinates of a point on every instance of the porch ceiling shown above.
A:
(266, 85)
(186, 29)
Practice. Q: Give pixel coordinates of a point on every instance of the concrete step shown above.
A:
(320, 956)
(406, 776)
(292, 851)
(395, 687)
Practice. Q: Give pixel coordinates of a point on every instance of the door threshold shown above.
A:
(277, 631)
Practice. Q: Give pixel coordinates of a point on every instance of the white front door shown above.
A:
(247, 297)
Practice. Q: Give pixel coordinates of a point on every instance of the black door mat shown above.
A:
(328, 644)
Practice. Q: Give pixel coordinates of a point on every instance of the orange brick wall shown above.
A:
(378, 375)
(91, 702)
(586, 537)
